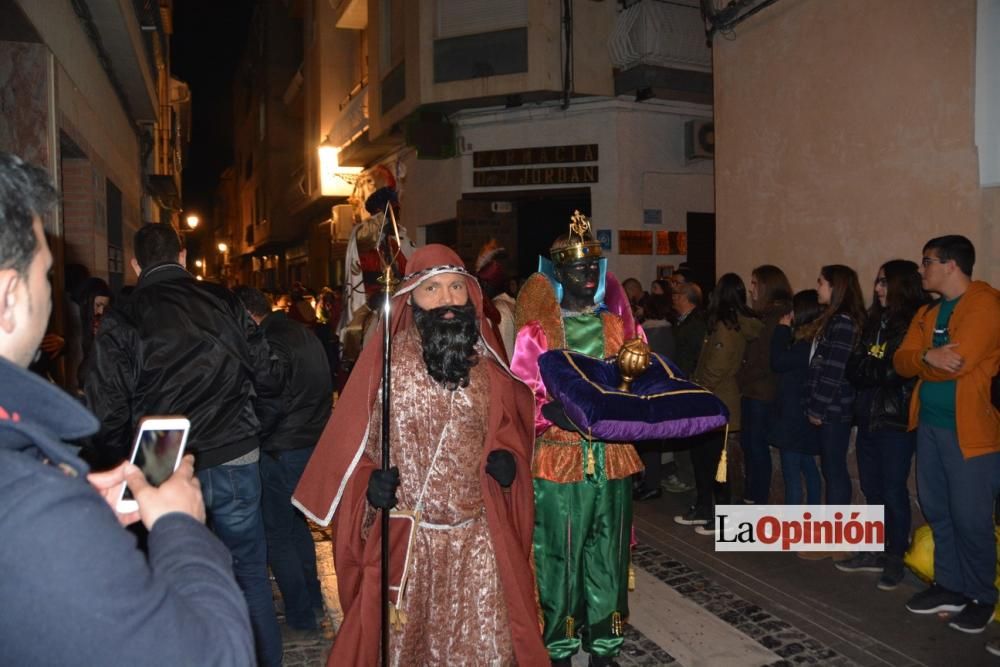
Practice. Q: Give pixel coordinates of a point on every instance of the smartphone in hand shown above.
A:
(159, 446)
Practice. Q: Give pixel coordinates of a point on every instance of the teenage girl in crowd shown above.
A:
(770, 296)
(660, 287)
(790, 431)
(731, 325)
(883, 447)
(829, 394)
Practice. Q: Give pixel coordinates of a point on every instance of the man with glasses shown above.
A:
(953, 348)
(690, 327)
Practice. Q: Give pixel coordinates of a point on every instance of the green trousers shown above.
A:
(582, 538)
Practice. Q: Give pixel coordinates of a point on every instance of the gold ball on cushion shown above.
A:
(633, 360)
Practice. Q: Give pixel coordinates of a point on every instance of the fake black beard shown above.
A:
(449, 345)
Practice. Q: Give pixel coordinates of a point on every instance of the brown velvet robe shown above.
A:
(334, 484)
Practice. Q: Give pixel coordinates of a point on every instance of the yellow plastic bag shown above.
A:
(920, 556)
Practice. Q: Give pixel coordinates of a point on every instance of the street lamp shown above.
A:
(335, 180)
(192, 221)
(199, 263)
(223, 247)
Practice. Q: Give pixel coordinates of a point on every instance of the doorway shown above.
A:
(526, 222)
(701, 249)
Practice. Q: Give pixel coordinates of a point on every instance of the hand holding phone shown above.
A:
(108, 484)
(180, 493)
(159, 446)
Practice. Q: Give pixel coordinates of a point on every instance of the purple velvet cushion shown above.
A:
(661, 403)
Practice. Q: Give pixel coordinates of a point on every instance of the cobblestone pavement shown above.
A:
(794, 646)
(312, 651)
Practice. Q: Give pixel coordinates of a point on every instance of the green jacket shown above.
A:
(756, 379)
(721, 359)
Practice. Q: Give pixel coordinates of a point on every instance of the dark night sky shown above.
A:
(208, 40)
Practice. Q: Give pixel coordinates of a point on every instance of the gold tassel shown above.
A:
(588, 452)
(720, 473)
(616, 624)
(631, 577)
(397, 617)
(570, 627)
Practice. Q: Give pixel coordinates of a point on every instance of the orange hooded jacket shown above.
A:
(975, 327)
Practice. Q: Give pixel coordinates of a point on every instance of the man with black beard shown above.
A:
(460, 430)
(449, 335)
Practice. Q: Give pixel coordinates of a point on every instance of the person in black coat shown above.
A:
(75, 589)
(179, 346)
(661, 340)
(883, 447)
(790, 431)
(291, 423)
(689, 327)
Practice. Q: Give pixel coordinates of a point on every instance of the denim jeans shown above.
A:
(833, 442)
(232, 498)
(796, 466)
(956, 496)
(290, 547)
(884, 458)
(755, 424)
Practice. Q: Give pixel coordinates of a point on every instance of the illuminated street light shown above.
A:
(223, 247)
(335, 180)
(192, 221)
(198, 278)
(199, 263)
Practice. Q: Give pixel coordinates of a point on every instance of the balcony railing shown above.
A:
(664, 34)
(353, 119)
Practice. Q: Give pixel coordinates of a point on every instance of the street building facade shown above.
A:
(490, 120)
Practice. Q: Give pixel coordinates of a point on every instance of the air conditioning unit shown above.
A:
(699, 140)
(343, 221)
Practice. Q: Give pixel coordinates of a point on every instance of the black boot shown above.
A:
(602, 661)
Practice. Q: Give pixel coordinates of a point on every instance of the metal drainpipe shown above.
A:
(567, 21)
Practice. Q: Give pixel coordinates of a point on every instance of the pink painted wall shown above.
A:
(844, 134)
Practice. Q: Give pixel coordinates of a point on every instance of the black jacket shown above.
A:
(176, 346)
(295, 417)
(883, 400)
(789, 360)
(660, 336)
(689, 335)
(76, 589)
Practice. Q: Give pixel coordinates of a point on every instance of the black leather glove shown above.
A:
(500, 465)
(553, 411)
(382, 487)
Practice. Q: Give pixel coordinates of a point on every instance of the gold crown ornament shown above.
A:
(581, 245)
